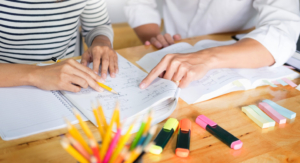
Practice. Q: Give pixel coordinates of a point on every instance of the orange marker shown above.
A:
(183, 139)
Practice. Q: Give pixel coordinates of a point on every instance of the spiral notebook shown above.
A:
(27, 110)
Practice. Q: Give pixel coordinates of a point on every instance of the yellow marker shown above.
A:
(100, 129)
(76, 135)
(83, 125)
(121, 144)
(73, 152)
(107, 88)
(102, 117)
(107, 137)
(134, 155)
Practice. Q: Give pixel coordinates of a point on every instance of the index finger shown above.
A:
(154, 73)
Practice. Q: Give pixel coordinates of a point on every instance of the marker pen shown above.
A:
(164, 136)
(219, 132)
(183, 138)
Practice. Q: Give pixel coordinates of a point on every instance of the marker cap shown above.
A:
(185, 125)
(156, 149)
(171, 123)
(203, 121)
(180, 152)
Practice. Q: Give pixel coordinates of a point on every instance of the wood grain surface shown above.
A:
(277, 144)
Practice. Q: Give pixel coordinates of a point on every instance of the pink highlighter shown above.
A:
(219, 132)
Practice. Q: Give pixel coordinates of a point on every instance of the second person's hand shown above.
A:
(162, 41)
(101, 52)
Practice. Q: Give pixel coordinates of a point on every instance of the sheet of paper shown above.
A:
(150, 60)
(27, 110)
(212, 81)
(269, 73)
(205, 44)
(132, 99)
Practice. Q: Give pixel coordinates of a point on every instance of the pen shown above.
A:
(55, 59)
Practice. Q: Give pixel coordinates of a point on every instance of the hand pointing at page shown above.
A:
(178, 67)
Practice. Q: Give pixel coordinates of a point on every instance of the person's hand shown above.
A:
(67, 75)
(162, 41)
(101, 51)
(180, 68)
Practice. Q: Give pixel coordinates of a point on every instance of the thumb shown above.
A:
(177, 37)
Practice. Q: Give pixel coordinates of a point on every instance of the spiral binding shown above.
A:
(63, 100)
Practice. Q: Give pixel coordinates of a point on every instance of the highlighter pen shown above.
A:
(183, 138)
(55, 59)
(164, 136)
(219, 132)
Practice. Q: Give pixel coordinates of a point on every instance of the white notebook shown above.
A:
(217, 81)
(27, 110)
(161, 96)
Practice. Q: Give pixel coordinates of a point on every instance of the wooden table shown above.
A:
(278, 144)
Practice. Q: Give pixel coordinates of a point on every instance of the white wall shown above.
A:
(116, 11)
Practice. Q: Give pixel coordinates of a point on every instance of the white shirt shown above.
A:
(277, 22)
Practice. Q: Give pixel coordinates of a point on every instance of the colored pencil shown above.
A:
(83, 125)
(95, 149)
(149, 136)
(138, 135)
(93, 159)
(121, 156)
(102, 117)
(66, 145)
(78, 147)
(145, 150)
(77, 136)
(107, 137)
(121, 143)
(134, 154)
(97, 117)
(147, 126)
(112, 145)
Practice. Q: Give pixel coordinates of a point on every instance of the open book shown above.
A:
(217, 81)
(161, 96)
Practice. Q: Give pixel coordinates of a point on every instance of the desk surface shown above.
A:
(278, 144)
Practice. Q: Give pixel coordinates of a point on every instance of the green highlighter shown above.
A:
(164, 136)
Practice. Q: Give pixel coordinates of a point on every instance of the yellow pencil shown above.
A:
(121, 143)
(100, 129)
(107, 137)
(102, 117)
(133, 155)
(107, 88)
(66, 145)
(148, 124)
(76, 135)
(83, 125)
(118, 115)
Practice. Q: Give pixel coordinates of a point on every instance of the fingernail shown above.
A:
(103, 75)
(96, 72)
(99, 89)
(158, 45)
(147, 43)
(101, 80)
(117, 71)
(142, 86)
(113, 75)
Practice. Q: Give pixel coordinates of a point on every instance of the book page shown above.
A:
(205, 44)
(132, 99)
(27, 110)
(269, 73)
(150, 60)
(215, 79)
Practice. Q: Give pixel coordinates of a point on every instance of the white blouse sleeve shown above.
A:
(278, 27)
(141, 12)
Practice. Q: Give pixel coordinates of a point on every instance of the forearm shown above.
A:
(247, 53)
(147, 31)
(16, 74)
